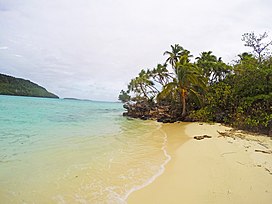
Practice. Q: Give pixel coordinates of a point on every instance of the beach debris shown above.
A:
(227, 153)
(264, 151)
(268, 171)
(263, 145)
(224, 134)
(234, 134)
(201, 137)
(240, 163)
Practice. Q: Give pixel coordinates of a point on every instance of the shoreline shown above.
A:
(155, 176)
(165, 129)
(221, 169)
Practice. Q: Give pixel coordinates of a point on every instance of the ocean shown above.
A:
(75, 151)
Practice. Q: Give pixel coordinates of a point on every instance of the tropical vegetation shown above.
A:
(207, 89)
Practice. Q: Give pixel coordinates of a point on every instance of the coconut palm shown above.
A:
(160, 74)
(174, 54)
(187, 78)
(213, 68)
(143, 86)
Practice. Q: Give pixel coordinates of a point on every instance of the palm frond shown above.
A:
(167, 90)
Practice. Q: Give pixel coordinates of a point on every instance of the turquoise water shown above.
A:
(72, 151)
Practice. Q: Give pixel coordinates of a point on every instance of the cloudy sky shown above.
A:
(92, 48)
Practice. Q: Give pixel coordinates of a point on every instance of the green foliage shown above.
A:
(213, 69)
(255, 112)
(244, 98)
(218, 105)
(124, 96)
(220, 102)
(19, 87)
(210, 90)
(160, 74)
(142, 86)
(248, 71)
(204, 114)
(187, 80)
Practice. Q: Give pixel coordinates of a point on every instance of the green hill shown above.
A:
(20, 87)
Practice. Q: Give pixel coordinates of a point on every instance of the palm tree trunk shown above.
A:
(142, 89)
(183, 107)
(183, 100)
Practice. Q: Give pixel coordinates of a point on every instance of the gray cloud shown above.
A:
(91, 49)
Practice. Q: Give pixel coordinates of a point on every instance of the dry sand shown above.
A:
(213, 170)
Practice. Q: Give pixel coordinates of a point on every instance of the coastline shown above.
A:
(213, 170)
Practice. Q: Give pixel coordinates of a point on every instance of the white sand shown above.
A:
(212, 170)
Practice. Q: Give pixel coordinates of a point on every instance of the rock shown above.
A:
(126, 106)
(202, 137)
(172, 120)
(166, 120)
(160, 120)
(144, 117)
(187, 119)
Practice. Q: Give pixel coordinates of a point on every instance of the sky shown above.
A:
(90, 49)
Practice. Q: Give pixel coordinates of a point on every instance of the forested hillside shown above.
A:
(20, 87)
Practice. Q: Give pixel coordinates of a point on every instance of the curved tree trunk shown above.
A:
(183, 101)
(142, 89)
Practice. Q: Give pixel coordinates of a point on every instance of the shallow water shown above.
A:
(71, 151)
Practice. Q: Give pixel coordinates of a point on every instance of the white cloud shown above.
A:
(69, 45)
(18, 55)
(3, 48)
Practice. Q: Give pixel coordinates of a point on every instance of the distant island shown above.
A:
(10, 85)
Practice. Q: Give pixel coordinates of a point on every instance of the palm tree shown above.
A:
(187, 78)
(143, 86)
(213, 69)
(160, 74)
(174, 54)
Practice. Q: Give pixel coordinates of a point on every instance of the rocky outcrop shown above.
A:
(145, 110)
(161, 113)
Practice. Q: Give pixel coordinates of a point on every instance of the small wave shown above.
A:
(153, 178)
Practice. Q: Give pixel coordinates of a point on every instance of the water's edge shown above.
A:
(161, 170)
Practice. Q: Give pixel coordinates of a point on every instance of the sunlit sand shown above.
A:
(216, 170)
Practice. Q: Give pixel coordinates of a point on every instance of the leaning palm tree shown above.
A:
(187, 78)
(160, 74)
(143, 86)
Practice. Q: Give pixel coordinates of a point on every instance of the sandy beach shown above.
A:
(233, 167)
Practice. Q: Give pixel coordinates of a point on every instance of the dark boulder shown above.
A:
(166, 120)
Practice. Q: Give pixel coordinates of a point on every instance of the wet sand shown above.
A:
(234, 168)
